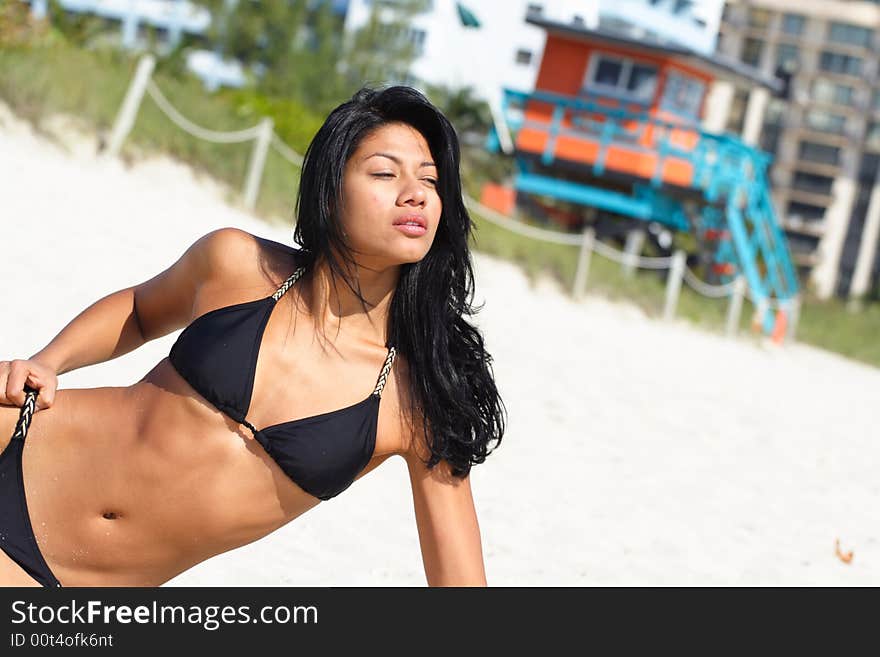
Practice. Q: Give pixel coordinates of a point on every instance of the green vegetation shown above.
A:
(646, 289)
(41, 75)
(831, 325)
(40, 81)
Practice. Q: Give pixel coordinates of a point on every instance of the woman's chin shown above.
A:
(415, 258)
(412, 254)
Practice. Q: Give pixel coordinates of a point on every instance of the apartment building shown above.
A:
(824, 135)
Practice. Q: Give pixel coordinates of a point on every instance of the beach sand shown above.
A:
(638, 452)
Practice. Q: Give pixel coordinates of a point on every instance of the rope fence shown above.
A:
(264, 137)
(707, 290)
(232, 137)
(286, 151)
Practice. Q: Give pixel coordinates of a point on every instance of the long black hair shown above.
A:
(451, 379)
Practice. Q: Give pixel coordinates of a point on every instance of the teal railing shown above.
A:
(730, 175)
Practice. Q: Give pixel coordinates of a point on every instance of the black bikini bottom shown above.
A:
(16, 533)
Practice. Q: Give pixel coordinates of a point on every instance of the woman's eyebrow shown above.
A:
(397, 159)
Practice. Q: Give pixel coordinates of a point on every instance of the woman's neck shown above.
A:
(331, 300)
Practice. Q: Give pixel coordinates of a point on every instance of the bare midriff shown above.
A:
(131, 486)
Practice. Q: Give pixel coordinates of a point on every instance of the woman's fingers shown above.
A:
(15, 382)
(46, 396)
(4, 376)
(16, 373)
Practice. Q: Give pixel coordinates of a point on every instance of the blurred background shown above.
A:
(677, 232)
(743, 134)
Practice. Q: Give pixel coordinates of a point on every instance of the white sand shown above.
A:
(638, 452)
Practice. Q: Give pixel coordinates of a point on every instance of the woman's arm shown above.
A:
(124, 320)
(116, 324)
(449, 533)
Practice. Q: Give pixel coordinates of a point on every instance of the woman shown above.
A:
(268, 402)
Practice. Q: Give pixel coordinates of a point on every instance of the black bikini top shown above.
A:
(217, 355)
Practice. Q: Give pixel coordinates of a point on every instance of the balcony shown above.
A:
(801, 226)
(608, 134)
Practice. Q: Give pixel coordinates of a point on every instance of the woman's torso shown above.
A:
(133, 485)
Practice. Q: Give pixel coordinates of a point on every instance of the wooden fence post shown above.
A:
(583, 266)
(673, 284)
(735, 308)
(258, 161)
(128, 112)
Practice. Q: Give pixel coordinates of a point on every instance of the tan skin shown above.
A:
(131, 486)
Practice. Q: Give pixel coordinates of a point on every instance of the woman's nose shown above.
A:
(414, 193)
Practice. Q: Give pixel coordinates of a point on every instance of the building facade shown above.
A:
(502, 50)
(691, 23)
(824, 135)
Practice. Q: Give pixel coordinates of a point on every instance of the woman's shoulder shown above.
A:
(235, 255)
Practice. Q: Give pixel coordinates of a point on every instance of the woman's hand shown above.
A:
(15, 374)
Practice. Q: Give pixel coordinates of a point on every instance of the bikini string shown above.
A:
(26, 414)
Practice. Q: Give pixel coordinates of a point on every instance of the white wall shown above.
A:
(693, 24)
(484, 57)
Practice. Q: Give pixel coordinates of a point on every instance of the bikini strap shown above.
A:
(26, 414)
(286, 285)
(386, 369)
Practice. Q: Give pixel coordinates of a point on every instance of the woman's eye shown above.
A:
(386, 174)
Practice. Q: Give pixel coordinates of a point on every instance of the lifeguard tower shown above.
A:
(614, 128)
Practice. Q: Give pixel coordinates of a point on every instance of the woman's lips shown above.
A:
(411, 229)
(414, 225)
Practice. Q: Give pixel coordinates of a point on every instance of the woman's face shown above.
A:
(390, 205)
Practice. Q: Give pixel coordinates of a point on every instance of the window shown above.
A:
(394, 34)
(466, 17)
(775, 112)
(872, 137)
(826, 91)
(737, 113)
(868, 168)
(682, 95)
(812, 183)
(642, 80)
(773, 125)
(787, 56)
(622, 77)
(533, 8)
(523, 56)
(608, 72)
(851, 35)
(836, 63)
(819, 153)
(759, 18)
(417, 37)
(681, 6)
(823, 121)
(797, 242)
(793, 24)
(769, 140)
(875, 100)
(726, 13)
(751, 51)
(805, 211)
